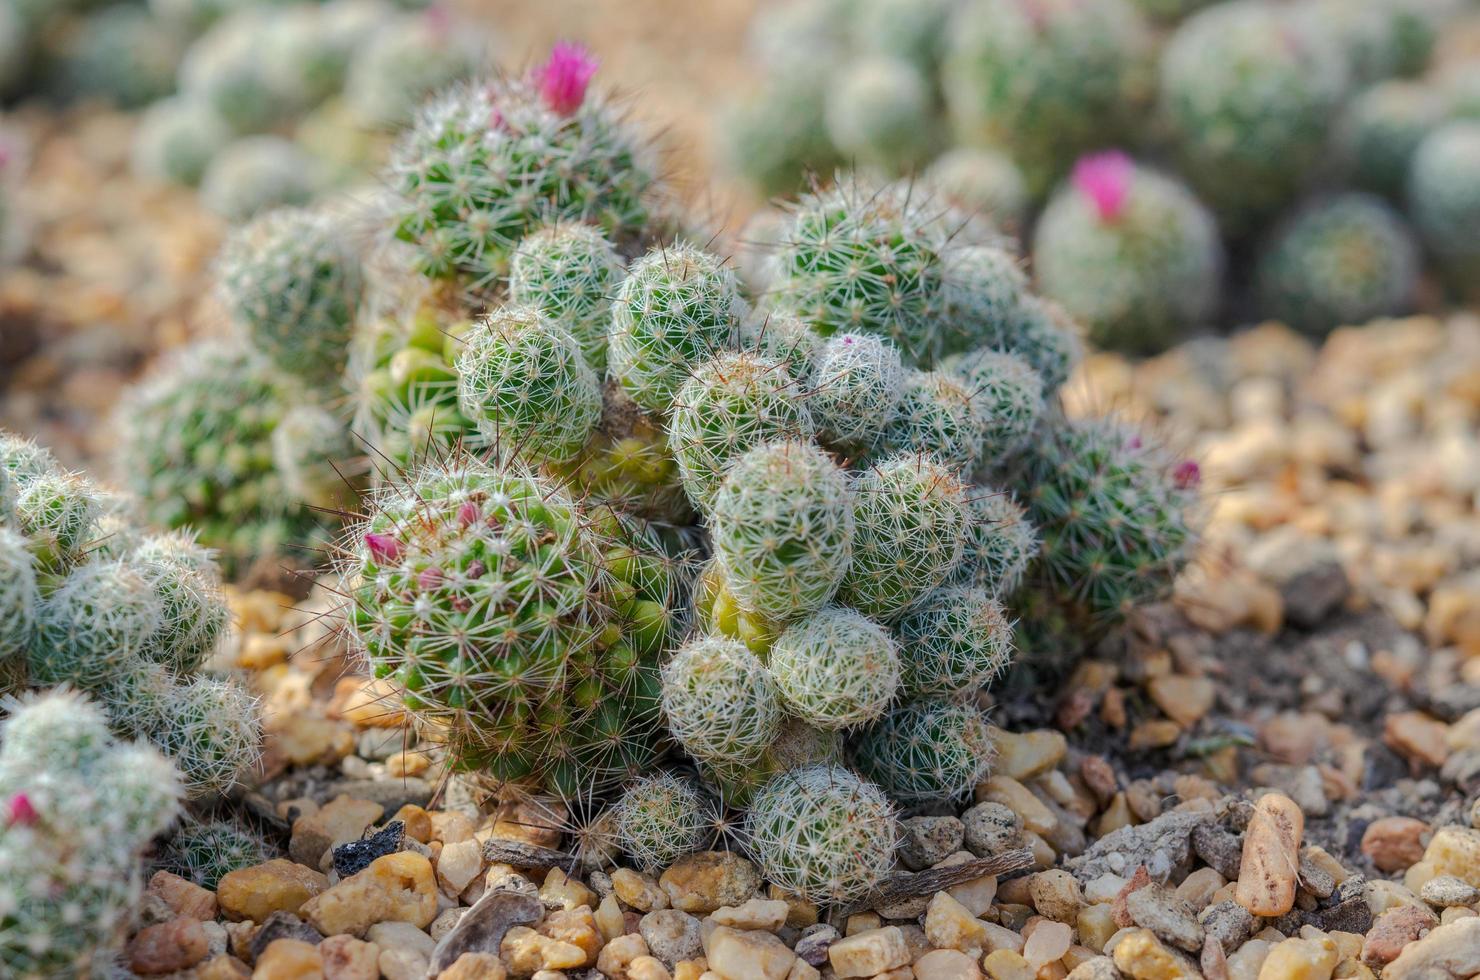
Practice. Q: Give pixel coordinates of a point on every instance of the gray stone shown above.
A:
(1163, 846)
(929, 840)
(815, 942)
(482, 927)
(1173, 920)
(392, 794)
(672, 935)
(1446, 891)
(991, 828)
(1219, 850)
(282, 925)
(1095, 968)
(1450, 952)
(1229, 923)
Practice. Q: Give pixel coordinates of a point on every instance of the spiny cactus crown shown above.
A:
(19, 594)
(835, 668)
(730, 404)
(211, 729)
(570, 272)
(1000, 542)
(660, 818)
(939, 415)
(879, 113)
(926, 750)
(104, 615)
(1008, 395)
(858, 382)
(909, 530)
(291, 278)
(677, 306)
(955, 641)
(523, 381)
(782, 524)
(1441, 188)
(784, 337)
(205, 851)
(720, 701)
(822, 832)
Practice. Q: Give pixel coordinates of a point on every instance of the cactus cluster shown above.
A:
(99, 604)
(79, 808)
(660, 818)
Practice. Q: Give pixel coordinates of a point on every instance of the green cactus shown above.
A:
(58, 512)
(782, 528)
(1247, 92)
(660, 818)
(861, 258)
(79, 809)
(226, 70)
(801, 744)
(955, 641)
(1381, 129)
(720, 701)
(878, 112)
(485, 165)
(1008, 395)
(835, 668)
(1130, 253)
(926, 751)
(909, 529)
(786, 338)
(777, 134)
(1444, 198)
(939, 414)
(523, 381)
(1000, 543)
(1343, 260)
(1170, 11)
(1045, 80)
(858, 382)
(821, 832)
(119, 54)
(317, 458)
(982, 181)
(256, 174)
(570, 272)
(176, 140)
(405, 60)
(102, 617)
(194, 615)
(205, 851)
(295, 283)
(510, 621)
(19, 595)
(678, 306)
(211, 729)
(730, 404)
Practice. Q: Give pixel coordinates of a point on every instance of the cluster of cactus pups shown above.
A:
(1253, 124)
(641, 532)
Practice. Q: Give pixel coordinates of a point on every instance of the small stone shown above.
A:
(355, 856)
(1183, 699)
(638, 891)
(1393, 930)
(398, 887)
(1034, 813)
(340, 821)
(1056, 895)
(672, 935)
(990, 829)
(400, 935)
(926, 841)
(1394, 843)
(475, 966)
(184, 897)
(459, 864)
(1162, 846)
(278, 885)
(1048, 943)
(869, 953)
(610, 919)
(577, 927)
(1221, 850)
(1141, 956)
(402, 964)
(483, 927)
(950, 925)
(647, 968)
(559, 890)
(704, 882)
(1171, 919)
(618, 953)
(347, 958)
(417, 821)
(445, 922)
(999, 937)
(289, 959)
(1450, 952)
(1096, 924)
(281, 925)
(1027, 755)
(1095, 968)
(1271, 856)
(1447, 891)
(814, 943)
(740, 955)
(1417, 737)
(223, 967)
(1300, 959)
(526, 951)
(946, 964)
(1004, 964)
(168, 947)
(766, 915)
(1197, 888)
(1455, 850)
(1229, 923)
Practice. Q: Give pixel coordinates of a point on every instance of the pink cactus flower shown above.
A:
(564, 78)
(20, 810)
(1105, 178)
(429, 578)
(468, 514)
(1187, 475)
(383, 547)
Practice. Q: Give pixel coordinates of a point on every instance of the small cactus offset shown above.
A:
(821, 832)
(1130, 253)
(926, 750)
(879, 113)
(485, 165)
(835, 669)
(205, 851)
(720, 701)
(1007, 395)
(678, 306)
(295, 283)
(19, 595)
(782, 527)
(938, 415)
(1339, 261)
(1445, 198)
(79, 809)
(1000, 542)
(1380, 131)
(570, 272)
(955, 641)
(523, 380)
(660, 818)
(858, 381)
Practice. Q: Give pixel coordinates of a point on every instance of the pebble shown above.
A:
(1048, 943)
(168, 947)
(1229, 923)
(398, 887)
(673, 936)
(925, 841)
(348, 958)
(1418, 737)
(289, 959)
(1004, 964)
(1056, 894)
(737, 954)
(1455, 850)
(1161, 846)
(475, 966)
(1095, 968)
(459, 864)
(1170, 918)
(1027, 755)
(1450, 951)
(1271, 856)
(623, 950)
(184, 897)
(950, 925)
(639, 891)
(281, 925)
(1300, 959)
(1141, 956)
(1393, 930)
(278, 885)
(1394, 843)
(482, 928)
(991, 828)
(766, 915)
(868, 953)
(1033, 812)
(946, 964)
(704, 882)
(1183, 699)
(1447, 891)
(340, 821)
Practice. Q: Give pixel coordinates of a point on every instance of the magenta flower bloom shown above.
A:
(429, 578)
(1187, 475)
(383, 547)
(564, 78)
(468, 514)
(1105, 178)
(20, 810)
